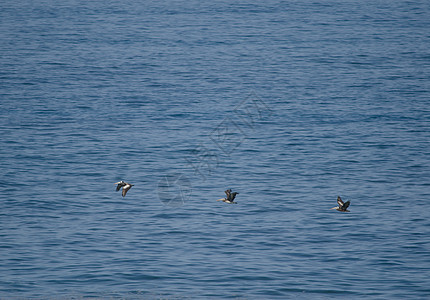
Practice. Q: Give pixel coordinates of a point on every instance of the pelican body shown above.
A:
(230, 197)
(342, 205)
(125, 187)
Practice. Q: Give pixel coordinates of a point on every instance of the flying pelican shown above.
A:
(125, 187)
(230, 197)
(342, 206)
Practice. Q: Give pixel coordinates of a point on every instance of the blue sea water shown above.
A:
(290, 103)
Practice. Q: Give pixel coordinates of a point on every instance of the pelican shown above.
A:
(342, 206)
(230, 197)
(125, 187)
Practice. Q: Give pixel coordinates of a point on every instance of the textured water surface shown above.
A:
(290, 103)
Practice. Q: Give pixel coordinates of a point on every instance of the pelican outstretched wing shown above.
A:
(232, 196)
(346, 204)
(126, 188)
(228, 194)
(340, 202)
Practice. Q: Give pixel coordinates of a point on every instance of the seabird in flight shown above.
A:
(342, 206)
(125, 187)
(230, 197)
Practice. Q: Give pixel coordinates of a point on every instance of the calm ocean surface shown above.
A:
(290, 103)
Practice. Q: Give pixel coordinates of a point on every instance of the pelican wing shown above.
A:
(125, 190)
(118, 187)
(232, 196)
(228, 193)
(346, 204)
(339, 201)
